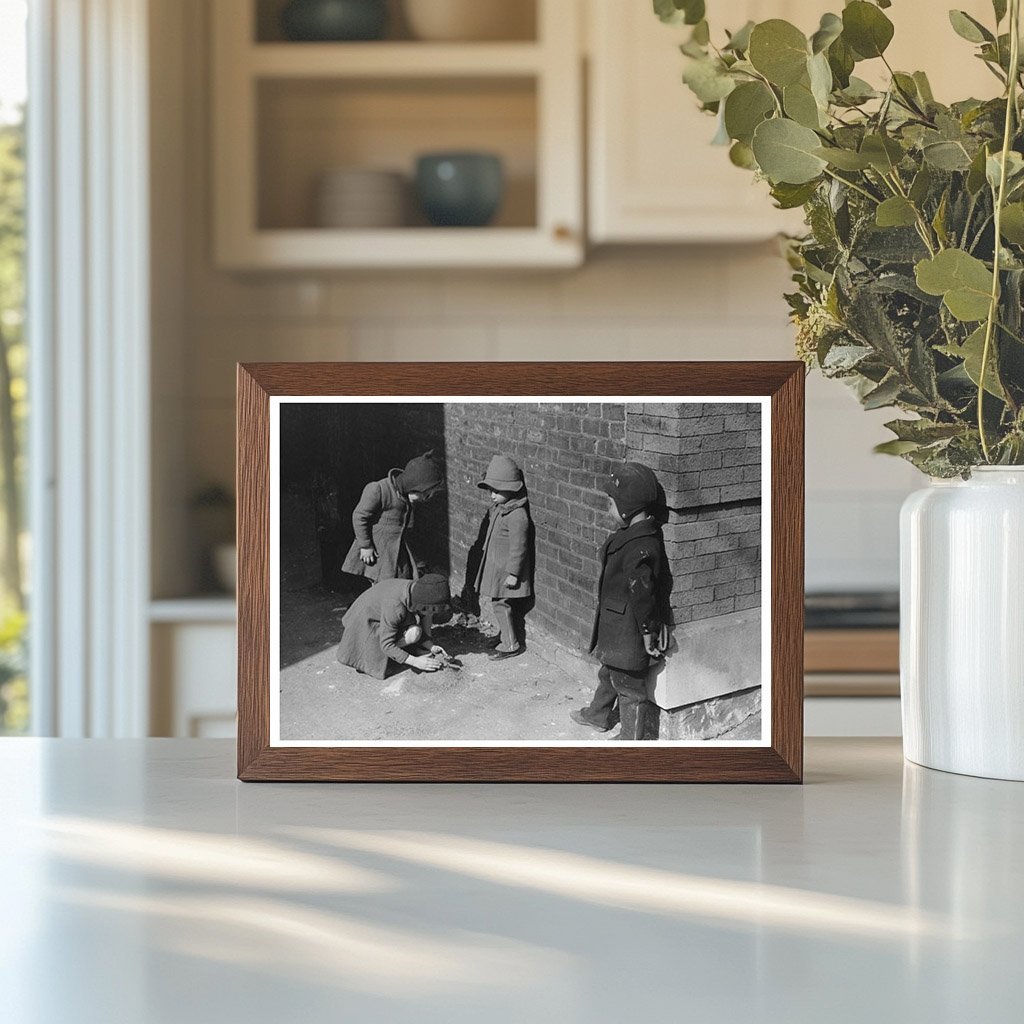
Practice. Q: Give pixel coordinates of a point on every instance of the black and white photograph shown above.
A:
(519, 572)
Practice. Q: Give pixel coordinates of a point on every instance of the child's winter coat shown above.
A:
(506, 551)
(628, 605)
(374, 625)
(382, 520)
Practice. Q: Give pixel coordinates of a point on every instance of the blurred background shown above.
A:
(247, 180)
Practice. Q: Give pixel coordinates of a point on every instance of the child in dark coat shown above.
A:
(389, 624)
(628, 623)
(505, 566)
(383, 520)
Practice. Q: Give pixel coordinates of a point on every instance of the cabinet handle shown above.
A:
(563, 232)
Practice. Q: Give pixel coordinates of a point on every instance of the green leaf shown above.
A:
(999, 6)
(778, 50)
(1012, 225)
(923, 431)
(844, 159)
(939, 220)
(896, 212)
(745, 108)
(789, 197)
(866, 29)
(921, 186)
(741, 155)
(858, 91)
(946, 156)
(971, 352)
(883, 153)
(820, 75)
(895, 447)
(963, 281)
(785, 152)
(841, 60)
(924, 87)
(829, 31)
(800, 105)
(1014, 169)
(739, 41)
(708, 80)
(885, 394)
(969, 28)
(676, 12)
(976, 174)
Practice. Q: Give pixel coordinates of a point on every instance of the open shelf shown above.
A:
(286, 114)
(306, 128)
(520, 15)
(393, 60)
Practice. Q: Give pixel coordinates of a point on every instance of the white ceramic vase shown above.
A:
(962, 624)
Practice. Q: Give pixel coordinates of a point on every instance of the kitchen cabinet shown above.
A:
(653, 175)
(287, 113)
(192, 649)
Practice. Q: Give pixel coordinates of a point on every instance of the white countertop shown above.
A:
(141, 885)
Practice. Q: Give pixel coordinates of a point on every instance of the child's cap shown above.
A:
(632, 487)
(422, 474)
(431, 592)
(503, 474)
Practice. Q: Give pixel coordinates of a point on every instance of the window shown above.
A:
(14, 548)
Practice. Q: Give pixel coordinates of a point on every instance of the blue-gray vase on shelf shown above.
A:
(461, 190)
(332, 21)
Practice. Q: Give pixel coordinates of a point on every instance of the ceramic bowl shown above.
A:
(471, 20)
(460, 189)
(334, 20)
(360, 197)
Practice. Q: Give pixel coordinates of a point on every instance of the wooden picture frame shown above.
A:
(778, 758)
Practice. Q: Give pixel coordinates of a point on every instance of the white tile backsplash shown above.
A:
(714, 303)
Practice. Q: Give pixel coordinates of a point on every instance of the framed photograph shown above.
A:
(520, 572)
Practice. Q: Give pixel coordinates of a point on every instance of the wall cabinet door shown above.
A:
(653, 175)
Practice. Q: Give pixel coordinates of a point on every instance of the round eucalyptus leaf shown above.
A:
(1012, 224)
(820, 75)
(739, 41)
(947, 156)
(829, 31)
(866, 29)
(785, 152)
(895, 212)
(883, 153)
(800, 105)
(743, 156)
(963, 281)
(969, 28)
(844, 159)
(779, 51)
(708, 81)
(746, 107)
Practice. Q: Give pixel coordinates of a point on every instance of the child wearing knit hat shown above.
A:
(389, 625)
(506, 564)
(383, 520)
(630, 619)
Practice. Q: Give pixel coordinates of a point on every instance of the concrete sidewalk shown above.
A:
(522, 698)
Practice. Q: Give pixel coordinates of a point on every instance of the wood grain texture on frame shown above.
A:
(782, 761)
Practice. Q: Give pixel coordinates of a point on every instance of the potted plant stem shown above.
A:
(908, 288)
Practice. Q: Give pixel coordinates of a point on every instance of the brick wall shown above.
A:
(564, 450)
(707, 458)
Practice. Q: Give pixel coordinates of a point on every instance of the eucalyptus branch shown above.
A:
(1000, 199)
(853, 185)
